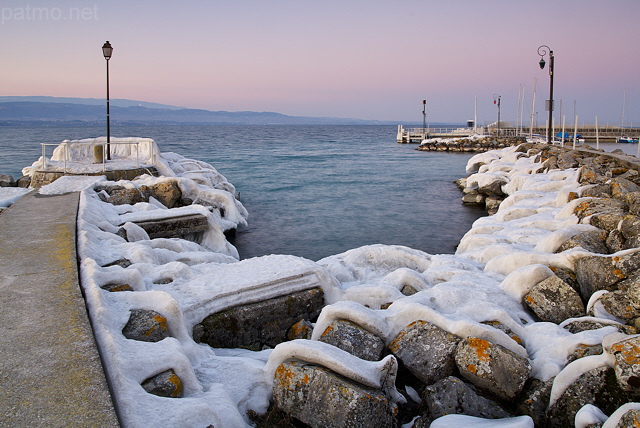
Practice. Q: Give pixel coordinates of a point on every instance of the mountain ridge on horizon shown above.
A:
(46, 110)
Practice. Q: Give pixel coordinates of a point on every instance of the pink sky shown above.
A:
(359, 59)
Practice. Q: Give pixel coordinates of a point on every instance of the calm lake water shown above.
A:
(311, 191)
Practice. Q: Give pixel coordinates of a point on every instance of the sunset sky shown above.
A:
(366, 59)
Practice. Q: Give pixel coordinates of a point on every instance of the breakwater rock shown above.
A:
(469, 145)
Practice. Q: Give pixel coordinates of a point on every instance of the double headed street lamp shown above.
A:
(107, 50)
(542, 51)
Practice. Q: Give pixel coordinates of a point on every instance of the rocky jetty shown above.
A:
(533, 321)
(469, 145)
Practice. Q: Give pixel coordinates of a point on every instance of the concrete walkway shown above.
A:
(50, 370)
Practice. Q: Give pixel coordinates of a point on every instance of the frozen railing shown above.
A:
(80, 154)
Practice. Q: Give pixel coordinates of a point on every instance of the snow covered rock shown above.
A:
(591, 240)
(452, 396)
(492, 367)
(261, 324)
(597, 386)
(554, 300)
(627, 364)
(146, 325)
(321, 398)
(354, 339)
(426, 350)
(7, 181)
(595, 273)
(165, 384)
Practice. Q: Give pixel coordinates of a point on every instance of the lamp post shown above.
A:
(424, 115)
(542, 51)
(496, 100)
(107, 50)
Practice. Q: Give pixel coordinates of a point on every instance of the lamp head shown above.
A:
(542, 63)
(107, 50)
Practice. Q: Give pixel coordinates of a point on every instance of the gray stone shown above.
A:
(320, 398)
(166, 191)
(175, 227)
(583, 350)
(631, 419)
(119, 195)
(596, 273)
(426, 350)
(620, 187)
(534, 399)
(113, 287)
(600, 206)
(498, 325)
(146, 325)
(452, 396)
(607, 221)
(494, 188)
(554, 300)
(567, 160)
(592, 240)
(165, 384)
(597, 386)
(492, 367)
(627, 364)
(354, 339)
(7, 181)
(473, 198)
(615, 241)
(261, 324)
(492, 203)
(579, 325)
(408, 290)
(24, 182)
(633, 200)
(303, 329)
(618, 304)
(630, 226)
(596, 191)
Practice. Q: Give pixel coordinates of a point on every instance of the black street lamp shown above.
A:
(424, 114)
(496, 100)
(107, 50)
(542, 51)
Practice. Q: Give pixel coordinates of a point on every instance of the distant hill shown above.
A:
(37, 110)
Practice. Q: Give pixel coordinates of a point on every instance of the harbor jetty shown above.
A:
(590, 133)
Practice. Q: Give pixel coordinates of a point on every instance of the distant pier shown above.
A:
(606, 134)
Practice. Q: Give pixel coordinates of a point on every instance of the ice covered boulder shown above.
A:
(596, 273)
(590, 240)
(354, 339)
(597, 386)
(321, 398)
(627, 364)
(426, 350)
(554, 300)
(534, 400)
(590, 206)
(7, 181)
(261, 324)
(618, 304)
(492, 367)
(450, 396)
(620, 187)
(146, 325)
(165, 384)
